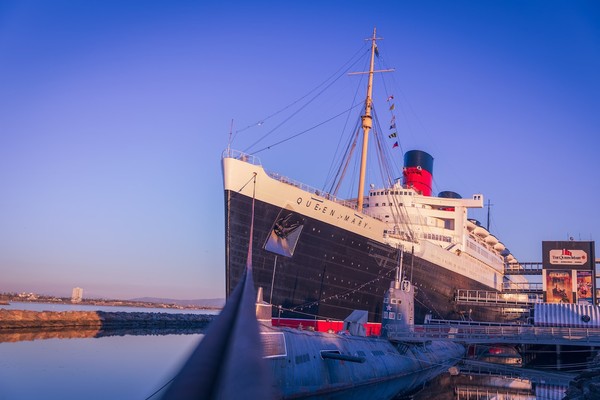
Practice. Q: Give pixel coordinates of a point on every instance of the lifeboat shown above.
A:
(491, 240)
(481, 232)
(510, 258)
(499, 246)
(471, 225)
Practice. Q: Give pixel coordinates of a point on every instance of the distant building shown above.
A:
(77, 295)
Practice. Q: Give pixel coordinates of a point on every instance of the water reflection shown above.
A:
(20, 335)
(483, 381)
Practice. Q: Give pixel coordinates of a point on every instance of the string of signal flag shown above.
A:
(394, 133)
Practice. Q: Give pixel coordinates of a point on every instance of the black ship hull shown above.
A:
(316, 269)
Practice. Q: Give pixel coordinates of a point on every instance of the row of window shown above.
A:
(389, 204)
(434, 236)
(392, 192)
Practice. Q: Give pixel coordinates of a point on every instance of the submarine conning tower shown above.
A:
(398, 308)
(418, 171)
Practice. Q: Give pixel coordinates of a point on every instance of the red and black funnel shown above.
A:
(418, 171)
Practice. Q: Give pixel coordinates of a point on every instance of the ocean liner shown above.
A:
(319, 256)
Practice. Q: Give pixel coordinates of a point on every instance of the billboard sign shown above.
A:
(568, 271)
(585, 289)
(568, 254)
(559, 286)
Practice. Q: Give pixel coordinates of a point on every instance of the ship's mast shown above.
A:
(367, 124)
(367, 120)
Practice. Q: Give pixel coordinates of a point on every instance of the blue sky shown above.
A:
(113, 117)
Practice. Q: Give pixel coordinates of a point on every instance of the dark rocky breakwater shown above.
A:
(585, 387)
(587, 384)
(16, 325)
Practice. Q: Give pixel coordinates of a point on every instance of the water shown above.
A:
(68, 365)
(75, 364)
(134, 367)
(475, 386)
(115, 367)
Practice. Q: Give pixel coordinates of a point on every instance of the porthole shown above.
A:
(585, 318)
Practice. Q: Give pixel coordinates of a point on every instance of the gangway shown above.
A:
(530, 268)
(499, 333)
(492, 298)
(523, 287)
(523, 268)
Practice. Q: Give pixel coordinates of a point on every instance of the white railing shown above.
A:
(491, 297)
(523, 286)
(238, 155)
(523, 268)
(500, 334)
(309, 189)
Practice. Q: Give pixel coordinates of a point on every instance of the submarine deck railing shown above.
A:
(515, 334)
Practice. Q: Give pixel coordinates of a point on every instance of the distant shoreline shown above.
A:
(8, 299)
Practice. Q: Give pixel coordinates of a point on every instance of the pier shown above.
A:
(500, 333)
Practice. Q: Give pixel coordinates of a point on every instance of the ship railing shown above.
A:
(239, 155)
(492, 297)
(309, 189)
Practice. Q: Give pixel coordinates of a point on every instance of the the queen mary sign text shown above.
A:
(568, 257)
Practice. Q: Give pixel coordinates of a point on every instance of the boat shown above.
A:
(242, 352)
(350, 365)
(318, 255)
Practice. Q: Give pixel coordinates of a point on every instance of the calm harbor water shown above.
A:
(83, 307)
(134, 367)
(108, 367)
(115, 367)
